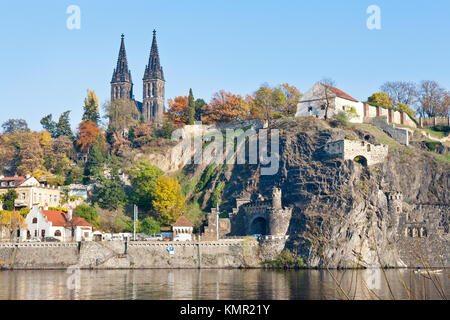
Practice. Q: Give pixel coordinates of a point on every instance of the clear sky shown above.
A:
(212, 45)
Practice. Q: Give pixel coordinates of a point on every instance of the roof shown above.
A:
(57, 218)
(61, 219)
(340, 93)
(18, 180)
(182, 222)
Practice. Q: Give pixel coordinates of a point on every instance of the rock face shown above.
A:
(349, 215)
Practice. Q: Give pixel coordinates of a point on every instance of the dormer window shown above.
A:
(4, 184)
(12, 183)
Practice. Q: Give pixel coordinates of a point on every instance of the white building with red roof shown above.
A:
(314, 102)
(182, 229)
(57, 224)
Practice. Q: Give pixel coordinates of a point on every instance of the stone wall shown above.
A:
(230, 253)
(349, 150)
(398, 134)
(392, 116)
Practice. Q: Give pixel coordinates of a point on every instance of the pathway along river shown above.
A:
(194, 284)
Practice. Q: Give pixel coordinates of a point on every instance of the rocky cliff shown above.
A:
(345, 214)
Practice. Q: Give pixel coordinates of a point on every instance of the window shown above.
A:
(23, 195)
(4, 184)
(43, 233)
(34, 220)
(310, 109)
(12, 183)
(57, 233)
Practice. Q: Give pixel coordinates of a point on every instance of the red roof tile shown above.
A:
(57, 218)
(340, 93)
(182, 222)
(61, 219)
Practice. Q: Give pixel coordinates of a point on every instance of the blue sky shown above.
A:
(212, 45)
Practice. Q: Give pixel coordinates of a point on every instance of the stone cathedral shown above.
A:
(152, 105)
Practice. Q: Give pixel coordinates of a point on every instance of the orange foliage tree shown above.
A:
(87, 135)
(225, 107)
(178, 110)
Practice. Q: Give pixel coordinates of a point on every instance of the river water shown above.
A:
(194, 284)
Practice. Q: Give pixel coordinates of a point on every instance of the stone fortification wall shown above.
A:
(233, 253)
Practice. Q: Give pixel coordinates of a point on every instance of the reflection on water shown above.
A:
(217, 284)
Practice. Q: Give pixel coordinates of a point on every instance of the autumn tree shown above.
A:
(178, 110)
(268, 102)
(169, 202)
(433, 100)
(382, 99)
(91, 108)
(30, 155)
(404, 92)
(87, 134)
(122, 114)
(143, 134)
(15, 125)
(293, 96)
(225, 107)
(12, 221)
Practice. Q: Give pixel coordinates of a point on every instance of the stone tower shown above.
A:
(279, 217)
(121, 83)
(153, 86)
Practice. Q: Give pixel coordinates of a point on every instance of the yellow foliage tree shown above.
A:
(11, 221)
(169, 202)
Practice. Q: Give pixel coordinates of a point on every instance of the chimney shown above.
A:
(46, 206)
(69, 213)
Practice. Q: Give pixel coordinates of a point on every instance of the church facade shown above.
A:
(152, 105)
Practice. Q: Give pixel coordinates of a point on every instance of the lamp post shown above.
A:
(217, 221)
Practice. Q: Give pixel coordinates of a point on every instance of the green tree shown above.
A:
(199, 104)
(165, 131)
(96, 160)
(191, 103)
(88, 213)
(149, 226)
(110, 194)
(63, 126)
(268, 102)
(9, 198)
(143, 178)
(49, 125)
(91, 109)
(169, 202)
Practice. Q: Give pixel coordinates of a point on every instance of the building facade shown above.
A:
(153, 86)
(31, 192)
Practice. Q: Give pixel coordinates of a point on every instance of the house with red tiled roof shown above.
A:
(43, 223)
(325, 101)
(182, 229)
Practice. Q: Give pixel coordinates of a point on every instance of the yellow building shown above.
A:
(30, 192)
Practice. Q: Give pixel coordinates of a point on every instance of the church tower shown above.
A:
(121, 83)
(153, 86)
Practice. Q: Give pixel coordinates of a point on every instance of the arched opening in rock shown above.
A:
(361, 160)
(258, 226)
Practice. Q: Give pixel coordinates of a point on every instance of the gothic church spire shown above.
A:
(154, 70)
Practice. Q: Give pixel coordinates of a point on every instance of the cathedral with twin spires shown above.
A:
(152, 105)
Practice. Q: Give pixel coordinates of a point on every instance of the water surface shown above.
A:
(194, 284)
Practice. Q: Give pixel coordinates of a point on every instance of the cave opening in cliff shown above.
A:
(361, 160)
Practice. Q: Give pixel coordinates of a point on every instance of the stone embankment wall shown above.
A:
(398, 134)
(234, 253)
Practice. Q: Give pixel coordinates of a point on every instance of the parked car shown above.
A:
(156, 237)
(51, 239)
(34, 240)
(167, 239)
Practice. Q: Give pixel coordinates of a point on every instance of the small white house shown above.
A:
(57, 224)
(314, 102)
(182, 229)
